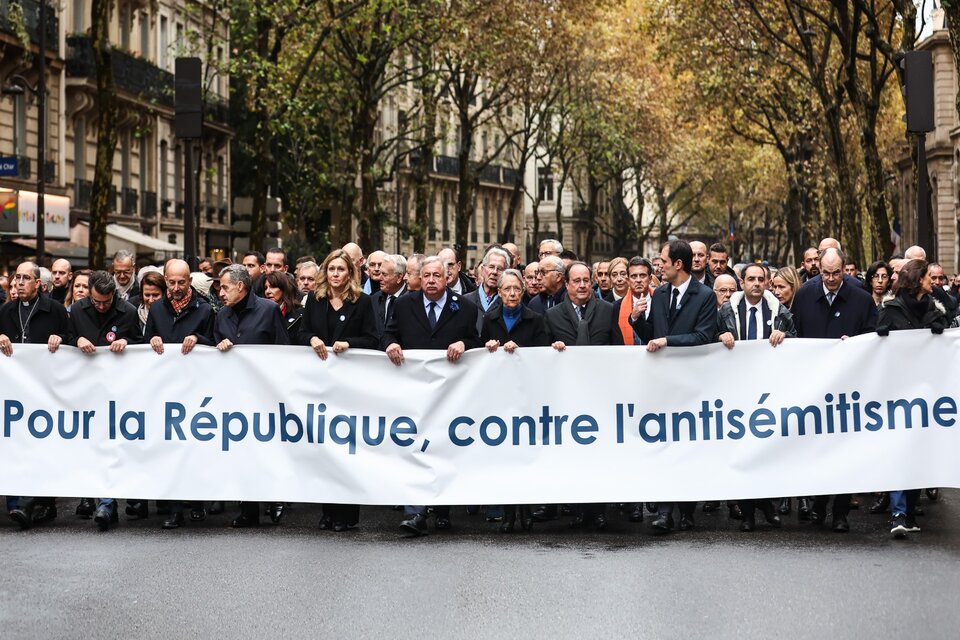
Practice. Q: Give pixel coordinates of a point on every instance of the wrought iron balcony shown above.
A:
(131, 74)
(31, 19)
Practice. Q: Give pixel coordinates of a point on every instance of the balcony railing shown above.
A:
(129, 205)
(149, 208)
(82, 192)
(490, 173)
(448, 165)
(216, 109)
(31, 19)
(131, 74)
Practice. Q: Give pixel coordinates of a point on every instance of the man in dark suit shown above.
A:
(486, 296)
(683, 313)
(393, 269)
(432, 318)
(552, 285)
(581, 320)
(698, 268)
(833, 306)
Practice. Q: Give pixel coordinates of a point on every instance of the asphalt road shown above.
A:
(206, 580)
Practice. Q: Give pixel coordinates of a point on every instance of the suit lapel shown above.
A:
(446, 313)
(767, 324)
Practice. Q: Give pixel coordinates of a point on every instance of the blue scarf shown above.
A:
(510, 317)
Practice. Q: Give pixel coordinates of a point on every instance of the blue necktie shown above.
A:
(752, 324)
(432, 316)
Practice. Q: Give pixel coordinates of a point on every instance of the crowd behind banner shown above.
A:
(687, 295)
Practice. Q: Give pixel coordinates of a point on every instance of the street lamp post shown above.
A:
(40, 91)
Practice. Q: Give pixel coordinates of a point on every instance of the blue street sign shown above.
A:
(8, 166)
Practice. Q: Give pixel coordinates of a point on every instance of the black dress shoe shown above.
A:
(340, 527)
(773, 520)
(276, 512)
(215, 508)
(566, 510)
(577, 522)
(506, 526)
(137, 510)
(441, 523)
(840, 524)
(44, 513)
(651, 507)
(854, 503)
(734, 512)
(663, 524)
(710, 506)
(933, 494)
(86, 508)
(22, 517)
(785, 506)
(803, 509)
(415, 525)
(175, 521)
(600, 522)
(881, 504)
(686, 522)
(105, 516)
(544, 514)
(243, 521)
(748, 525)
(198, 514)
(326, 522)
(815, 517)
(636, 514)
(526, 518)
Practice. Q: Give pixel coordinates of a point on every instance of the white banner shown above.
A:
(592, 424)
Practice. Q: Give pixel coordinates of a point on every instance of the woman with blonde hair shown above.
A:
(338, 316)
(785, 284)
(619, 282)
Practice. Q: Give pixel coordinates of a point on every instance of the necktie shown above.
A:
(579, 311)
(752, 324)
(673, 303)
(432, 316)
(830, 298)
(386, 308)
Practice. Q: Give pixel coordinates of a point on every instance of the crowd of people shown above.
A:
(687, 295)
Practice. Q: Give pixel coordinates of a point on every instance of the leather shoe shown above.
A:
(216, 507)
(773, 520)
(340, 527)
(815, 517)
(544, 514)
(243, 521)
(933, 494)
(735, 513)
(44, 513)
(326, 522)
(276, 512)
(105, 516)
(506, 526)
(840, 524)
(198, 514)
(785, 506)
(441, 523)
(651, 507)
(416, 525)
(526, 518)
(710, 506)
(854, 502)
(748, 525)
(881, 504)
(86, 508)
(663, 524)
(686, 522)
(600, 522)
(22, 517)
(803, 509)
(636, 514)
(137, 510)
(175, 521)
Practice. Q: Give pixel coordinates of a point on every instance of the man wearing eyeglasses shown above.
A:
(32, 319)
(103, 319)
(549, 247)
(941, 292)
(123, 272)
(457, 281)
(552, 285)
(532, 281)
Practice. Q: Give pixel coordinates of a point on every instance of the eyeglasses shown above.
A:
(23, 277)
(725, 290)
(880, 276)
(544, 254)
(123, 272)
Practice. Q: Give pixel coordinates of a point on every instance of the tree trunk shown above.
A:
(468, 182)
(264, 143)
(106, 134)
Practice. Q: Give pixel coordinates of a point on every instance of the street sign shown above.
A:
(8, 166)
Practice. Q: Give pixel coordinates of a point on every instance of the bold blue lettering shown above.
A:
(452, 432)
(583, 424)
(485, 436)
(398, 429)
(174, 413)
(32, 422)
(351, 438)
(945, 406)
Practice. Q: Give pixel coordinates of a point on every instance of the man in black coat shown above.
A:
(683, 313)
(833, 306)
(432, 318)
(32, 319)
(486, 297)
(182, 315)
(553, 288)
(393, 270)
(103, 319)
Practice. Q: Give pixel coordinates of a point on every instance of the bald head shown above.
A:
(915, 253)
(829, 243)
(831, 268)
(449, 257)
(176, 273)
(353, 250)
(699, 264)
(176, 267)
(724, 287)
(514, 252)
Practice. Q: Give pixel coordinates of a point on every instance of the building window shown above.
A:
(221, 90)
(145, 36)
(20, 125)
(545, 183)
(445, 215)
(79, 149)
(172, 238)
(125, 160)
(208, 184)
(164, 42)
(145, 163)
(79, 13)
(181, 49)
(177, 174)
(163, 169)
(125, 27)
(220, 178)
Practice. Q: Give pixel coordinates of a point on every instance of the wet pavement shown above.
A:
(206, 580)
